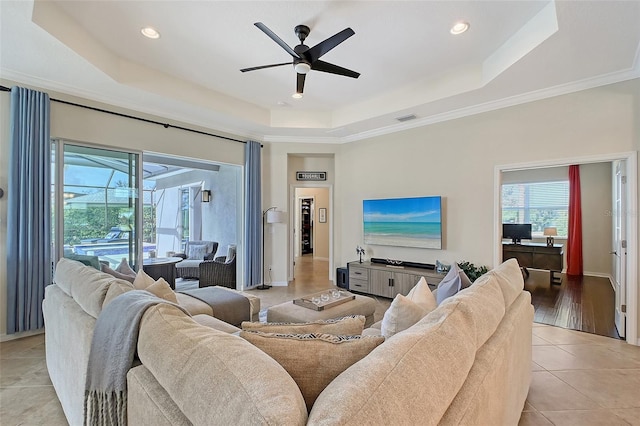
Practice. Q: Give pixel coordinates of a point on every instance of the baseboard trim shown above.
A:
(279, 284)
(8, 337)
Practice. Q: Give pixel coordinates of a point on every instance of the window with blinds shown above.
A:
(542, 204)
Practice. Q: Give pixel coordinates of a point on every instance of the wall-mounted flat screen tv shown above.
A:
(403, 222)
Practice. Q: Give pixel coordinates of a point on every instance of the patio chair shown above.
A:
(195, 253)
(221, 271)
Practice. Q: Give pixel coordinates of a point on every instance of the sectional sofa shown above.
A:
(466, 362)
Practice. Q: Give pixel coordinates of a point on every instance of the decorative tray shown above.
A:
(324, 299)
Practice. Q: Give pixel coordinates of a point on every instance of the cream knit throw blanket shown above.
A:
(113, 348)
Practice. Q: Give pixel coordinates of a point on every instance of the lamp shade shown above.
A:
(550, 231)
(275, 216)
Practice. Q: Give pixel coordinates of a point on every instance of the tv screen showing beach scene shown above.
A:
(403, 222)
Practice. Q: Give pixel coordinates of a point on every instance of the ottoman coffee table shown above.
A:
(291, 312)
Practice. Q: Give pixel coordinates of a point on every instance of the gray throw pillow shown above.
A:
(453, 282)
(197, 251)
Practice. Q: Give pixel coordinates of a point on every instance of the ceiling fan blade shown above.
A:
(324, 46)
(265, 66)
(277, 39)
(300, 85)
(333, 69)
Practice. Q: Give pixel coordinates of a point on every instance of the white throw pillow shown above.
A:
(159, 288)
(402, 314)
(421, 295)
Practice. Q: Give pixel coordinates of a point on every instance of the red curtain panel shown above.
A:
(574, 239)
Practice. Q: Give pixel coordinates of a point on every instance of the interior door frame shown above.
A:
(631, 195)
(619, 172)
(292, 208)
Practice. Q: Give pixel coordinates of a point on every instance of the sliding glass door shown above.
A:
(97, 209)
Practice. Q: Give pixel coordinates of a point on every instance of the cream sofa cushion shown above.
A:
(86, 285)
(313, 360)
(510, 280)
(215, 377)
(432, 359)
(402, 314)
(348, 326)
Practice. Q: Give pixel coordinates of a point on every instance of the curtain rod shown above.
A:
(165, 125)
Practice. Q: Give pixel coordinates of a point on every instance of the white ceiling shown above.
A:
(514, 52)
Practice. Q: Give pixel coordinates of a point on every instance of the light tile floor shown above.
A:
(577, 378)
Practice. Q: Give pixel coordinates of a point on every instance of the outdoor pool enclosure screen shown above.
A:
(403, 222)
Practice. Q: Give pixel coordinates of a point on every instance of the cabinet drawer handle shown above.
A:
(358, 273)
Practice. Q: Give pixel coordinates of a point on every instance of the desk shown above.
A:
(536, 256)
(162, 267)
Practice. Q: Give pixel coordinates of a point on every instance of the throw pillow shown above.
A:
(160, 288)
(402, 314)
(313, 360)
(453, 282)
(117, 274)
(116, 289)
(422, 296)
(349, 326)
(124, 268)
(197, 251)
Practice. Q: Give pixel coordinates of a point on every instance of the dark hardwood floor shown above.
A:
(584, 303)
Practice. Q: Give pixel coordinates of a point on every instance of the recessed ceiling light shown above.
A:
(459, 27)
(297, 95)
(150, 32)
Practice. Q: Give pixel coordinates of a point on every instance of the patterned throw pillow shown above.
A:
(313, 360)
(197, 251)
(350, 326)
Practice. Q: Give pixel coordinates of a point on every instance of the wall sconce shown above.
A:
(550, 232)
(206, 195)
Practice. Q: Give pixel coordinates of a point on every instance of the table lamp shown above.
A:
(550, 232)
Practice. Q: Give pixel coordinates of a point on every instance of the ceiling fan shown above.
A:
(306, 58)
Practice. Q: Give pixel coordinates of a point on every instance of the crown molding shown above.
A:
(563, 89)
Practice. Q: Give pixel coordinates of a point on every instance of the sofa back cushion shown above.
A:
(510, 280)
(432, 358)
(215, 377)
(86, 285)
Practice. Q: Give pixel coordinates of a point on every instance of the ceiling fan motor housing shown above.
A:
(302, 31)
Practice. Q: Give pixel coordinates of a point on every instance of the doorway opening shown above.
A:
(311, 233)
(603, 235)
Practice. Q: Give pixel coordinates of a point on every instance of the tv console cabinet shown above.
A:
(536, 256)
(388, 281)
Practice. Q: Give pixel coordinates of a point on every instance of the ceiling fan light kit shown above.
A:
(305, 58)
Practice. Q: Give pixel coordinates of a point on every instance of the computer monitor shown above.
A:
(516, 231)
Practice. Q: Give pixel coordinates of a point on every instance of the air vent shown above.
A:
(406, 117)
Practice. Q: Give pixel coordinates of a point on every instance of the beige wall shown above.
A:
(457, 159)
